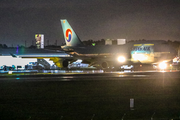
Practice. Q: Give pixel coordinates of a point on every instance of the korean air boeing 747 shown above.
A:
(110, 56)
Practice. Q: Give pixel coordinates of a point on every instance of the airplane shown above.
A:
(114, 56)
(10, 55)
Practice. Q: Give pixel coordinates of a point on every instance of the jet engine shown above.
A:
(65, 63)
(104, 64)
(60, 62)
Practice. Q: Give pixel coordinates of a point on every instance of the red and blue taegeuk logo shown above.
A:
(68, 35)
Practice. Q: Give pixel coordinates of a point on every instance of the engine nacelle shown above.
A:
(60, 62)
(65, 63)
(104, 65)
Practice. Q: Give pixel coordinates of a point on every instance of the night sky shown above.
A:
(20, 20)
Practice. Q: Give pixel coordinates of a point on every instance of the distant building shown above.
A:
(108, 42)
(121, 41)
(39, 41)
(115, 42)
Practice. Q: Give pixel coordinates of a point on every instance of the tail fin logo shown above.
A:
(68, 35)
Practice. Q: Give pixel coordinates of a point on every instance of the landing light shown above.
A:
(162, 65)
(121, 59)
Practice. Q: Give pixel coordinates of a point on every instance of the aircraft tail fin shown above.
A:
(70, 36)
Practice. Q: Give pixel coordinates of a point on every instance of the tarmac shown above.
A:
(93, 95)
